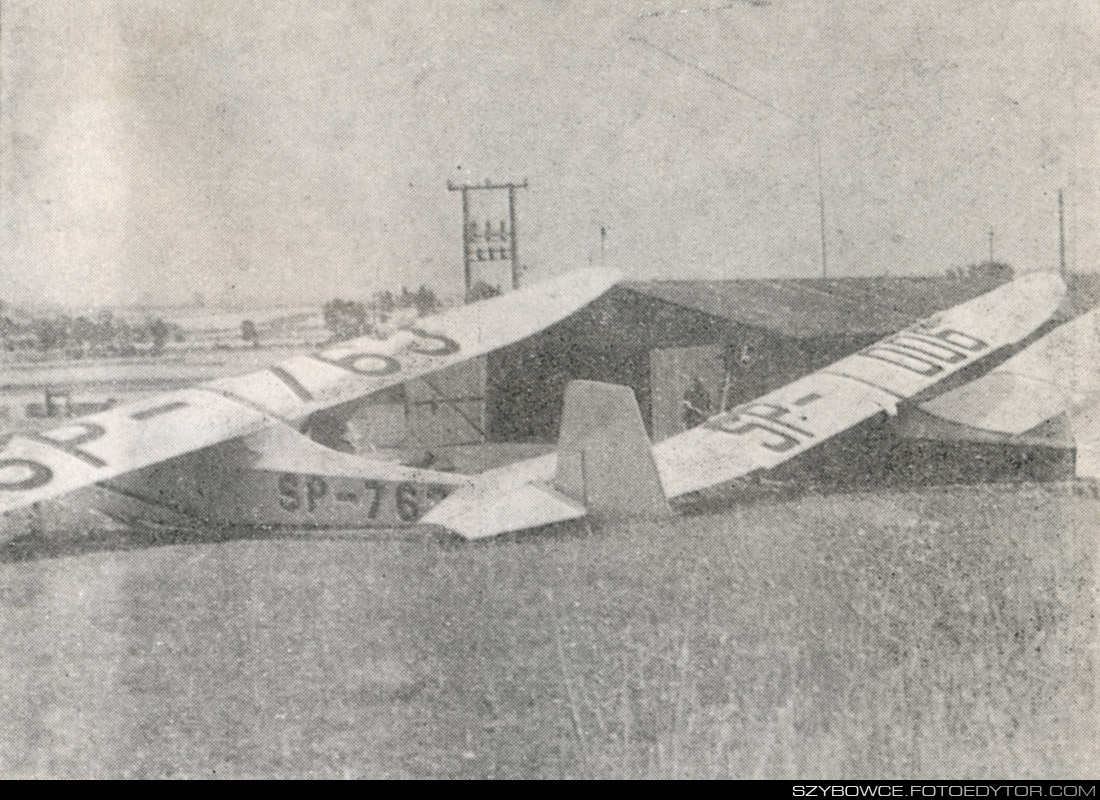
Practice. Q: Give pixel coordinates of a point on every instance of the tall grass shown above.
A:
(947, 633)
(941, 633)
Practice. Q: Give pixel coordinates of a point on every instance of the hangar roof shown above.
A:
(809, 308)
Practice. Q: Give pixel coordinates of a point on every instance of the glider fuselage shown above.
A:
(205, 489)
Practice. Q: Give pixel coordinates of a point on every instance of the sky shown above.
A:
(284, 151)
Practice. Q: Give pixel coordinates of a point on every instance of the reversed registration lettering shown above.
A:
(771, 418)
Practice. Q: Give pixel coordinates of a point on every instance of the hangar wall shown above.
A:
(672, 371)
(657, 346)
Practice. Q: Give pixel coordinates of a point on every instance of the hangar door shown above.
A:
(672, 373)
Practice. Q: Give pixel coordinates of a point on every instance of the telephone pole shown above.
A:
(483, 244)
(821, 209)
(1061, 234)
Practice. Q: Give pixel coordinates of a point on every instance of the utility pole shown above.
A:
(483, 244)
(991, 245)
(821, 208)
(1061, 234)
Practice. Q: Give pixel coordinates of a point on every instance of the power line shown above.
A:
(702, 9)
(767, 104)
(713, 76)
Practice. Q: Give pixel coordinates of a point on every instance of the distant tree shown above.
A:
(103, 331)
(83, 331)
(159, 332)
(425, 301)
(386, 302)
(345, 318)
(991, 270)
(480, 290)
(407, 298)
(122, 342)
(249, 332)
(51, 334)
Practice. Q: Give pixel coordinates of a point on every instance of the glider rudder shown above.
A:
(605, 460)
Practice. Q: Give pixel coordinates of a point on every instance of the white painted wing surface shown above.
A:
(89, 449)
(1058, 373)
(299, 386)
(99, 446)
(780, 425)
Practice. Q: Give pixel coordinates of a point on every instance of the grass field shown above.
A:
(941, 633)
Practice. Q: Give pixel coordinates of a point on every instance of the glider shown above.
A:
(605, 466)
(229, 452)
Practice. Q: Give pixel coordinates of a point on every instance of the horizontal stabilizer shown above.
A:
(480, 511)
(603, 468)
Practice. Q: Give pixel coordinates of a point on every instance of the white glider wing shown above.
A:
(299, 386)
(1059, 373)
(780, 425)
(1051, 376)
(84, 451)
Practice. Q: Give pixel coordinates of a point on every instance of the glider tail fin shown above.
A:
(605, 459)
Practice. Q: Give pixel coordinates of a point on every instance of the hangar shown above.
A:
(738, 338)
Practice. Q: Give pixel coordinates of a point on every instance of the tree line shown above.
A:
(79, 335)
(102, 334)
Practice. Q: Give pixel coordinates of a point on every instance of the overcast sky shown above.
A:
(272, 149)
